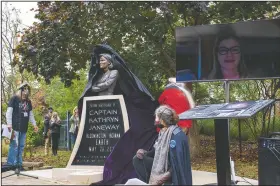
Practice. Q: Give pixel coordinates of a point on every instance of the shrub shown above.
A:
(5, 148)
(206, 127)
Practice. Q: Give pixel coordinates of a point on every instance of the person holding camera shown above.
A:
(18, 115)
(55, 125)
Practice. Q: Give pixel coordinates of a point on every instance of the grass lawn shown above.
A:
(245, 166)
(38, 155)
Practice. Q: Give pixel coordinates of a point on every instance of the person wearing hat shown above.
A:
(47, 133)
(107, 80)
(18, 115)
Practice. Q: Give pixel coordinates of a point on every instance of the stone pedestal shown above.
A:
(77, 176)
(104, 120)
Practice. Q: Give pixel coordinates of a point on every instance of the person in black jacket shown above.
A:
(169, 160)
(55, 132)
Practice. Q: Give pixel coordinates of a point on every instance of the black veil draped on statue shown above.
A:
(140, 107)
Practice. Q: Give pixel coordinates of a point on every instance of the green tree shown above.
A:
(144, 36)
(142, 32)
(10, 28)
(63, 99)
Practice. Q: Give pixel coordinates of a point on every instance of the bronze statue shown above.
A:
(106, 81)
(114, 77)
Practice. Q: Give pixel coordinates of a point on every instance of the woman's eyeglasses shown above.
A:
(225, 50)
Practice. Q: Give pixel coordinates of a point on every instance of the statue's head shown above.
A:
(105, 61)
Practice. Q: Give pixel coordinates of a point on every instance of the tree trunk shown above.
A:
(194, 140)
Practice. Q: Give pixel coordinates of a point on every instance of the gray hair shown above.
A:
(167, 114)
(108, 57)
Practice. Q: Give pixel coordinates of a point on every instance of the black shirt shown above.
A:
(55, 126)
(21, 112)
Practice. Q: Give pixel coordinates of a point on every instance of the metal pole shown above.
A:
(240, 141)
(222, 136)
(222, 152)
(227, 94)
(226, 85)
(67, 132)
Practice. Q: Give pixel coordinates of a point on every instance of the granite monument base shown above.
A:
(77, 176)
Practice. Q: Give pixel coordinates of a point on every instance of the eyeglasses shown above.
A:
(225, 50)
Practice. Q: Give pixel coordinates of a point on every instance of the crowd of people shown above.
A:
(52, 125)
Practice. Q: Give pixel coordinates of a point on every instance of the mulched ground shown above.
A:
(246, 163)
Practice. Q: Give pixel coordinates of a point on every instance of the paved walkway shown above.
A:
(24, 180)
(45, 178)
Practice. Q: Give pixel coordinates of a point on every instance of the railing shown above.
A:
(64, 138)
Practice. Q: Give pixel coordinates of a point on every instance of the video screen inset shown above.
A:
(237, 51)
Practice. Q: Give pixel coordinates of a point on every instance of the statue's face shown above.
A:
(104, 63)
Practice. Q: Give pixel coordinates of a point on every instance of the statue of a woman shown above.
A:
(109, 75)
(107, 80)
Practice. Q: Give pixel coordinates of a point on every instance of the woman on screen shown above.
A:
(228, 61)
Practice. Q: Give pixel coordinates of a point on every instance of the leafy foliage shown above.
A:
(68, 97)
(61, 43)
(58, 47)
(142, 32)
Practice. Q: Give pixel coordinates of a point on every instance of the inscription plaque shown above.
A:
(104, 121)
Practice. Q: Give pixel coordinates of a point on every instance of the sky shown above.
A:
(26, 16)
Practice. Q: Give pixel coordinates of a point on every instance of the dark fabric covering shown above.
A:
(140, 106)
(180, 160)
(144, 166)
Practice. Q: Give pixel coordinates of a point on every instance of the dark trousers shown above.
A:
(143, 167)
(55, 140)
